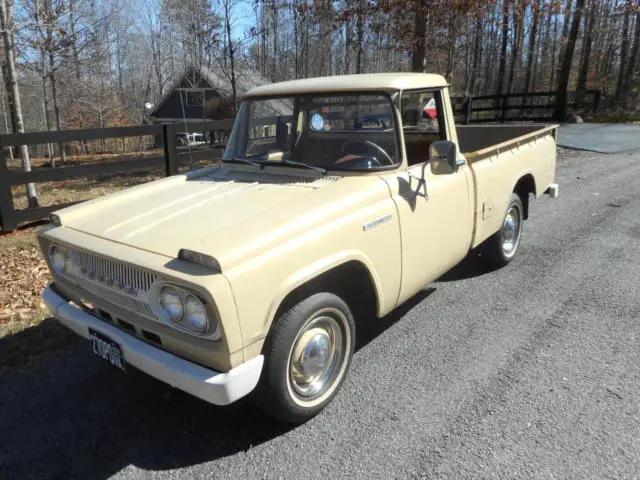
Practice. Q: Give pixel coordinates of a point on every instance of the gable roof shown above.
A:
(246, 80)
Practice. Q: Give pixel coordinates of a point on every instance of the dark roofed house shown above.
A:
(185, 101)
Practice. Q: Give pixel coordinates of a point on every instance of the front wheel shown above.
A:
(307, 355)
(501, 247)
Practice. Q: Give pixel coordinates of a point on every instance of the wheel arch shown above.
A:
(351, 277)
(524, 187)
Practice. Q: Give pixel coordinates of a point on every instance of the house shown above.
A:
(185, 101)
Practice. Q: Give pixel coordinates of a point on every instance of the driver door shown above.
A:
(435, 209)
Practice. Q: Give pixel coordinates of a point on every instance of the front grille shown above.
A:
(115, 282)
(110, 271)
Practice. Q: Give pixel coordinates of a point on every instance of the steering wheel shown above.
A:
(371, 150)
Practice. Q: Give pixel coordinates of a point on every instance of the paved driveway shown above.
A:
(600, 137)
(532, 371)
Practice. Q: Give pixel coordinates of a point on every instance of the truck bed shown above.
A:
(477, 141)
(499, 156)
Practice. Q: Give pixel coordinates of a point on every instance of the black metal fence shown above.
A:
(521, 107)
(168, 163)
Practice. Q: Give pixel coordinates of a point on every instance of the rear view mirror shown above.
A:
(443, 156)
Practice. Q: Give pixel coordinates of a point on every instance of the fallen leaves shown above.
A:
(23, 277)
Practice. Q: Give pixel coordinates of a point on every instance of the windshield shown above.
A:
(332, 131)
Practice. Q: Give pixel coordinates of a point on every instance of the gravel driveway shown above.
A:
(532, 371)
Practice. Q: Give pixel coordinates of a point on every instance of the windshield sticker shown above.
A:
(317, 122)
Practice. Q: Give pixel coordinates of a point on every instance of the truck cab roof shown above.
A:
(372, 82)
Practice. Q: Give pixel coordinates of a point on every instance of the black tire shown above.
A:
(494, 250)
(281, 391)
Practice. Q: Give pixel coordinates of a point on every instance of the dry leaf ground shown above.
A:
(24, 333)
(26, 327)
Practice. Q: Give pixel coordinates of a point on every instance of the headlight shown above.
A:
(58, 258)
(171, 303)
(196, 314)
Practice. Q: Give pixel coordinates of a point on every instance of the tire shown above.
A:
(307, 355)
(501, 247)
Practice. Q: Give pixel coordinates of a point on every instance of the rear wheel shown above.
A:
(501, 247)
(307, 355)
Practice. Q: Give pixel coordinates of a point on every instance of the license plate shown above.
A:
(107, 350)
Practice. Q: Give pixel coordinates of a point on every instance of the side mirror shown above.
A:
(443, 156)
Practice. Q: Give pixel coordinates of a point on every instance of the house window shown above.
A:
(194, 98)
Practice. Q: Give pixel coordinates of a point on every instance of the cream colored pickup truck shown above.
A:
(337, 200)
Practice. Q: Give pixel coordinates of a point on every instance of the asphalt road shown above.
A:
(532, 371)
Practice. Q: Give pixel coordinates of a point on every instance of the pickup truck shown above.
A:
(337, 199)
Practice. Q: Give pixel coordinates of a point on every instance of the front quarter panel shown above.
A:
(362, 225)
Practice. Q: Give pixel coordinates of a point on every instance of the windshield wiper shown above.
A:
(244, 160)
(306, 165)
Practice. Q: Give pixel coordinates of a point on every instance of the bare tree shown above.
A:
(503, 49)
(563, 79)
(15, 105)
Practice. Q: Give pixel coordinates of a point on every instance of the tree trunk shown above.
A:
(623, 49)
(518, 20)
(74, 44)
(274, 65)
(565, 71)
(56, 107)
(630, 70)
(503, 49)
(15, 105)
(589, 24)
(232, 63)
(420, 29)
(452, 42)
(532, 59)
(565, 33)
(360, 35)
(45, 101)
(552, 75)
(477, 52)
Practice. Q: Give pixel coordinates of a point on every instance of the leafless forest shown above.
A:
(84, 63)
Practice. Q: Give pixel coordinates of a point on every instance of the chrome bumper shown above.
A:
(209, 385)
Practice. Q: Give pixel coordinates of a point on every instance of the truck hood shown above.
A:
(226, 212)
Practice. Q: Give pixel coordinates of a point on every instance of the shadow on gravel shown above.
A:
(369, 331)
(471, 266)
(76, 417)
(19, 350)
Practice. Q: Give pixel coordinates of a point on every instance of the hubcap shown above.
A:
(511, 231)
(317, 355)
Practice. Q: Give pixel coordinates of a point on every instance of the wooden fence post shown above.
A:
(503, 104)
(7, 217)
(596, 100)
(468, 110)
(170, 149)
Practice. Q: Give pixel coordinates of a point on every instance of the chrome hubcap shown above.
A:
(317, 355)
(511, 231)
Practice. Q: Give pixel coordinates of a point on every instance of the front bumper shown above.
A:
(209, 385)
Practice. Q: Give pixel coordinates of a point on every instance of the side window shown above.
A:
(420, 112)
(422, 123)
(269, 127)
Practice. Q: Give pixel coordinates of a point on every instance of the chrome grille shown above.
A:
(115, 282)
(111, 271)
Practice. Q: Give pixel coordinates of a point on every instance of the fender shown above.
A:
(320, 267)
